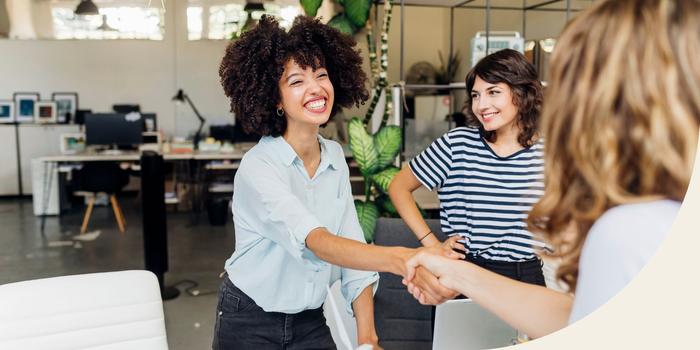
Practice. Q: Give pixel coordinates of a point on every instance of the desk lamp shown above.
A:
(181, 96)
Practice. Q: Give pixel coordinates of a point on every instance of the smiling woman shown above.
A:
(295, 221)
(488, 175)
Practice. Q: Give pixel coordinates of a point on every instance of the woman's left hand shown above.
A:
(373, 341)
(448, 248)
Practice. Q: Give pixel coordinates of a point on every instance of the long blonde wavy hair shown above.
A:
(620, 117)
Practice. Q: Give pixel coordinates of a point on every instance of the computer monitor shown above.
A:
(231, 133)
(113, 129)
(126, 108)
(80, 116)
(223, 133)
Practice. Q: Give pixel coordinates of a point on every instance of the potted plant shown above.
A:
(375, 154)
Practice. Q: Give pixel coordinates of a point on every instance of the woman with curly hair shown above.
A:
(296, 226)
(621, 119)
(488, 174)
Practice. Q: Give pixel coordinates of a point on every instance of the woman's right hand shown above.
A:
(440, 266)
(421, 281)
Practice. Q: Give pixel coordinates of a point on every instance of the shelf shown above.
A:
(454, 86)
(230, 166)
(528, 5)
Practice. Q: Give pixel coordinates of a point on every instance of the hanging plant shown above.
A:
(351, 19)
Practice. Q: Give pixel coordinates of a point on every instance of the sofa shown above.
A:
(401, 322)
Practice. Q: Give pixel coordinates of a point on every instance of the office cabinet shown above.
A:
(9, 183)
(39, 141)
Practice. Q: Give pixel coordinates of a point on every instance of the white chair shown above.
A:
(342, 325)
(464, 325)
(106, 311)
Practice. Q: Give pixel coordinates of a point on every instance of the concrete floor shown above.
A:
(196, 253)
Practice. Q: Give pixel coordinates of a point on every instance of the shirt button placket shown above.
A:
(310, 193)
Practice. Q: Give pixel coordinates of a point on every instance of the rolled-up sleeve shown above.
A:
(271, 199)
(353, 282)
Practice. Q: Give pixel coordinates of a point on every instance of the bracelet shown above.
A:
(426, 235)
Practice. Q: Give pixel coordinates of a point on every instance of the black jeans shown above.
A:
(242, 324)
(529, 271)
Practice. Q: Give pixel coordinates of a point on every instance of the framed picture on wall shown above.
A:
(72, 143)
(24, 106)
(45, 112)
(7, 111)
(66, 106)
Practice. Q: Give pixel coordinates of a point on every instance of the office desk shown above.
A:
(237, 154)
(45, 169)
(46, 200)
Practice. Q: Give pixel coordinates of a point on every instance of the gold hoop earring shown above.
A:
(280, 112)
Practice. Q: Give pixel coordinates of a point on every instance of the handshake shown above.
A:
(430, 271)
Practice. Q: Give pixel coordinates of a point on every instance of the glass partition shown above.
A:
(61, 20)
(221, 19)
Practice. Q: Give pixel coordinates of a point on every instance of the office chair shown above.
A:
(106, 177)
(109, 310)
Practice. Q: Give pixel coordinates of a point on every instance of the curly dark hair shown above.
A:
(253, 65)
(512, 68)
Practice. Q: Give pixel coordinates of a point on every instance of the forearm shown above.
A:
(401, 194)
(534, 310)
(356, 255)
(363, 308)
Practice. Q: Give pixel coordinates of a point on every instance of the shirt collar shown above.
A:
(288, 155)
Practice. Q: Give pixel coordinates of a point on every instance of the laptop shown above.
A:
(462, 325)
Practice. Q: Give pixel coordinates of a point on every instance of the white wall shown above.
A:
(123, 71)
(150, 72)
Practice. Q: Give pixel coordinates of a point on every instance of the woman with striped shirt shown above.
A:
(488, 174)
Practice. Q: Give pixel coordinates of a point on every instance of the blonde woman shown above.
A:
(621, 119)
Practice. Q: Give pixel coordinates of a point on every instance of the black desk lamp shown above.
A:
(181, 96)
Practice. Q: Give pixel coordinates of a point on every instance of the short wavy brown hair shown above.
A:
(253, 65)
(512, 68)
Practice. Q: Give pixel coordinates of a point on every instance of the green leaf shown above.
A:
(362, 147)
(357, 11)
(342, 23)
(387, 141)
(367, 213)
(383, 178)
(386, 207)
(311, 6)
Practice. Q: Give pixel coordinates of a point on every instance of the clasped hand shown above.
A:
(423, 279)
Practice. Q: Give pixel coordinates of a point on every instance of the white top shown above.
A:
(618, 245)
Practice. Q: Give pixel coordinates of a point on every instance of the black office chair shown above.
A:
(105, 177)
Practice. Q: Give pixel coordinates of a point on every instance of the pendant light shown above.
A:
(86, 8)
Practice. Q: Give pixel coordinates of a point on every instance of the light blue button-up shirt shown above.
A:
(275, 206)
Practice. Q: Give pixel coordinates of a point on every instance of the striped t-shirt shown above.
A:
(484, 198)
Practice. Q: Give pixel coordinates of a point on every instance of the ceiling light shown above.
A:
(86, 8)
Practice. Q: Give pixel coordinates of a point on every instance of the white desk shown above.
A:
(237, 154)
(45, 171)
(46, 195)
